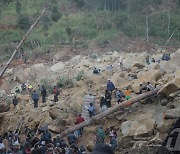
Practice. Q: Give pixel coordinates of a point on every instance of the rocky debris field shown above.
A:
(135, 128)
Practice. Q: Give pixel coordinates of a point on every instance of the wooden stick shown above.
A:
(21, 43)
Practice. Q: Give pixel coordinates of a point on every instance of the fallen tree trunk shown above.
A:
(21, 43)
(109, 111)
(170, 116)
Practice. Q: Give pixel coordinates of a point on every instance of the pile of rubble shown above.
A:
(144, 121)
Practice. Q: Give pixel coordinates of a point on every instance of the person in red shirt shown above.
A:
(79, 120)
(56, 94)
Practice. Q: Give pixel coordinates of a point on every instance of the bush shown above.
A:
(65, 82)
(103, 40)
(80, 75)
(23, 21)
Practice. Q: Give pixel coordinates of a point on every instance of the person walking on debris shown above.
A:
(79, 120)
(119, 95)
(30, 87)
(166, 57)
(72, 139)
(96, 71)
(103, 103)
(56, 94)
(147, 60)
(43, 148)
(17, 90)
(153, 60)
(112, 131)
(43, 94)
(149, 87)
(100, 136)
(110, 86)
(15, 101)
(142, 88)
(127, 94)
(35, 98)
(91, 110)
(108, 98)
(113, 141)
(23, 87)
(46, 136)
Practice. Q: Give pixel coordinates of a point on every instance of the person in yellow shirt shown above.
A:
(128, 94)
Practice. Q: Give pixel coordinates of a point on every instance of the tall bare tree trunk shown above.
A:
(169, 22)
(147, 28)
(105, 5)
(21, 43)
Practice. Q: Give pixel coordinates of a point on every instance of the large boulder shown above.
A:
(23, 75)
(170, 87)
(132, 59)
(119, 81)
(75, 60)
(57, 126)
(58, 67)
(55, 113)
(57, 57)
(138, 128)
(163, 125)
(138, 65)
(151, 75)
(172, 65)
(142, 126)
(4, 107)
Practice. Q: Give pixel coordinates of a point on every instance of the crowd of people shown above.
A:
(40, 141)
(35, 94)
(165, 57)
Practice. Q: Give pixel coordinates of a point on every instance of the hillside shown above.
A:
(80, 26)
(138, 126)
(67, 63)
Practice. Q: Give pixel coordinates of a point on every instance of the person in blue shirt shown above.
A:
(91, 110)
(110, 86)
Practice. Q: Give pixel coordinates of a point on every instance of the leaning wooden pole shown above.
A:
(21, 43)
(109, 111)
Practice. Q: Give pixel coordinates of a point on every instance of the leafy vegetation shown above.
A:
(65, 82)
(80, 75)
(99, 21)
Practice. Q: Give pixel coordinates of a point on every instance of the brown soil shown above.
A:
(7, 27)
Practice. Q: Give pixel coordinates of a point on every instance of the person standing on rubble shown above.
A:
(43, 94)
(56, 94)
(15, 101)
(100, 136)
(35, 98)
(108, 98)
(110, 86)
(79, 120)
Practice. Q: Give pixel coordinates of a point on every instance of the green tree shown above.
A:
(80, 3)
(55, 13)
(23, 21)
(18, 7)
